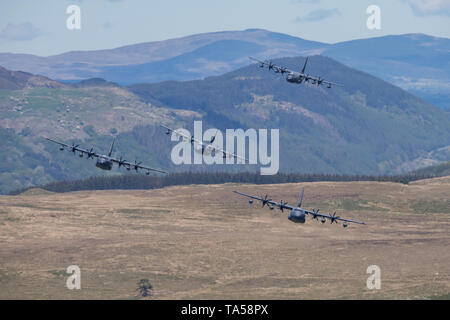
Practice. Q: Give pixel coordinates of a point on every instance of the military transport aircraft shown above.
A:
(204, 148)
(293, 76)
(104, 162)
(298, 214)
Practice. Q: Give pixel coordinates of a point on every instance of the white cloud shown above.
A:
(20, 32)
(430, 7)
(318, 15)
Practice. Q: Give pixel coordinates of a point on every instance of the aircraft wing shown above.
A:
(263, 63)
(320, 81)
(178, 134)
(270, 65)
(331, 217)
(284, 205)
(266, 201)
(73, 148)
(208, 148)
(136, 165)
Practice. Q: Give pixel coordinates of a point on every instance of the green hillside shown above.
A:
(366, 127)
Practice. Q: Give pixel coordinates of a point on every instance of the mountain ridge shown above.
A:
(418, 63)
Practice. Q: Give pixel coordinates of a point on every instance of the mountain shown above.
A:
(90, 64)
(14, 80)
(366, 127)
(417, 63)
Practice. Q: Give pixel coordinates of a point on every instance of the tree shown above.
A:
(144, 288)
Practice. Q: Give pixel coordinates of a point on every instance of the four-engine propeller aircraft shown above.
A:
(298, 214)
(293, 76)
(104, 162)
(204, 148)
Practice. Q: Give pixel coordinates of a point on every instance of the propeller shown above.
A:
(314, 214)
(334, 218)
(122, 162)
(74, 147)
(282, 205)
(136, 165)
(281, 70)
(265, 201)
(90, 153)
(320, 81)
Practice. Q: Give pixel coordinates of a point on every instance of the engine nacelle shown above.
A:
(250, 201)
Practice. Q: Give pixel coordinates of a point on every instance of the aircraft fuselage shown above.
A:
(104, 163)
(297, 216)
(295, 78)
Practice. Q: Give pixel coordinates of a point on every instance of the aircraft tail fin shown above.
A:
(301, 198)
(111, 148)
(304, 66)
(214, 136)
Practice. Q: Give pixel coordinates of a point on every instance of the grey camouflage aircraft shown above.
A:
(298, 214)
(202, 147)
(104, 162)
(293, 76)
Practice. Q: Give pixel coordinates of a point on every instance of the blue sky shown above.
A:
(39, 27)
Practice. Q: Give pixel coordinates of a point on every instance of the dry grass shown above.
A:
(197, 242)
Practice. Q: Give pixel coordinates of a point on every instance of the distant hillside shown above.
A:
(15, 80)
(88, 64)
(366, 127)
(143, 182)
(417, 63)
(440, 170)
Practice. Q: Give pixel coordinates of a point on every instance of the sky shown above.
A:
(39, 27)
